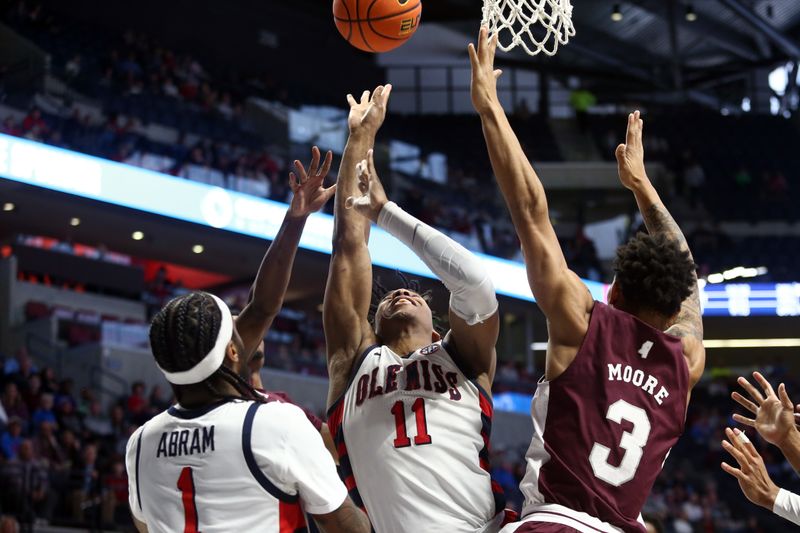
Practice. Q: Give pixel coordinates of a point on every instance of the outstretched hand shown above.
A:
(308, 193)
(373, 197)
(484, 76)
(751, 474)
(775, 414)
(368, 113)
(630, 156)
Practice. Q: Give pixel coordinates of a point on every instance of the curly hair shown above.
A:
(653, 273)
(379, 292)
(183, 332)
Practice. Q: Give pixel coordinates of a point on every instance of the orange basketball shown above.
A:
(377, 25)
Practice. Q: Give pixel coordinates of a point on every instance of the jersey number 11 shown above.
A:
(399, 412)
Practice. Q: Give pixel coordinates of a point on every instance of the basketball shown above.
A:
(377, 25)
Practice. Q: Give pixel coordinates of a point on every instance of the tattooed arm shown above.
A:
(346, 519)
(689, 323)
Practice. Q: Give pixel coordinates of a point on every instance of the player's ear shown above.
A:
(232, 353)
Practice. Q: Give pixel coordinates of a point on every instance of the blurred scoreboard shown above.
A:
(751, 299)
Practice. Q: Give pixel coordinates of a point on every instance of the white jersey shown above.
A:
(232, 466)
(413, 440)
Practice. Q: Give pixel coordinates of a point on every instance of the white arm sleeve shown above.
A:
(787, 505)
(292, 455)
(472, 294)
(131, 465)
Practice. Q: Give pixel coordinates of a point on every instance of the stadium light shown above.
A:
(198, 248)
(74, 221)
(616, 14)
(691, 16)
(137, 236)
(8, 206)
(737, 272)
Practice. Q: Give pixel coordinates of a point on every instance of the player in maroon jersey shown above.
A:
(617, 379)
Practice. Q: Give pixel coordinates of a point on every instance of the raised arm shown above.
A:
(560, 293)
(272, 280)
(349, 289)
(630, 162)
(474, 319)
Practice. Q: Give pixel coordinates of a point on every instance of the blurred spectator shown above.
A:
(137, 403)
(67, 417)
(49, 381)
(158, 402)
(12, 402)
(44, 413)
(11, 438)
(47, 446)
(19, 369)
(33, 121)
(96, 423)
(87, 488)
(116, 483)
(33, 392)
(71, 448)
(26, 486)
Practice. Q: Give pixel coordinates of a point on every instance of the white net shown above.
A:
(535, 25)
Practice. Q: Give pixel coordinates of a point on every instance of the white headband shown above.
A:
(213, 359)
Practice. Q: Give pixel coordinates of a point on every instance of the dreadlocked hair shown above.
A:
(379, 292)
(181, 335)
(654, 273)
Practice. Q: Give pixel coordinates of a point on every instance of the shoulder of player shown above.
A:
(130, 448)
(279, 417)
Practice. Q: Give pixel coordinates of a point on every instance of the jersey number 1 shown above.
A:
(399, 412)
(186, 486)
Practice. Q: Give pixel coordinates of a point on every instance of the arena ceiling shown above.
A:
(655, 50)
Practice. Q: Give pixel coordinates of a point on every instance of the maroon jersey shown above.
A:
(603, 428)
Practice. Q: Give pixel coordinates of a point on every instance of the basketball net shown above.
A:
(515, 23)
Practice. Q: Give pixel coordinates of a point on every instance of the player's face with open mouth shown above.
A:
(404, 304)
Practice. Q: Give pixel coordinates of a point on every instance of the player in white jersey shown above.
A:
(410, 412)
(269, 288)
(224, 458)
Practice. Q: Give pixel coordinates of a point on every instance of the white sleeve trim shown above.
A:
(787, 505)
(330, 506)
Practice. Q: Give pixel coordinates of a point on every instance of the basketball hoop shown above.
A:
(519, 18)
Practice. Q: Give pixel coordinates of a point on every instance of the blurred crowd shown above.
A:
(62, 452)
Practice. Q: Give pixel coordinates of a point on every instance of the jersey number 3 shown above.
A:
(399, 412)
(632, 442)
(186, 486)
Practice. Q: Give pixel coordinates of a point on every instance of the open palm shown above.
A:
(775, 419)
(308, 193)
(369, 112)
